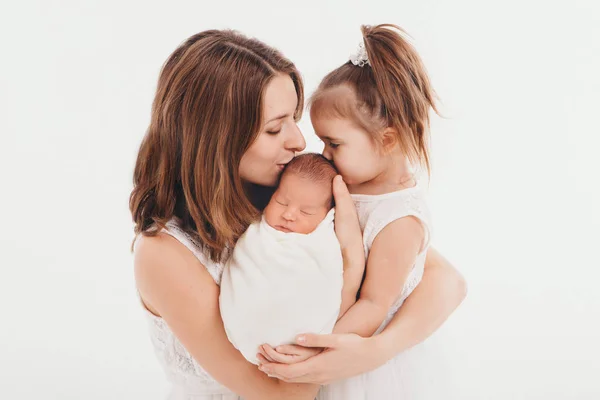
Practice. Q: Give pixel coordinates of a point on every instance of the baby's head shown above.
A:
(304, 195)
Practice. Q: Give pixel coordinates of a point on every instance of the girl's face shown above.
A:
(352, 150)
(279, 138)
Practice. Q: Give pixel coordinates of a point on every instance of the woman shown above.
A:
(223, 127)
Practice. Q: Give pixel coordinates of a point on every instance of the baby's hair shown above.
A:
(391, 91)
(314, 167)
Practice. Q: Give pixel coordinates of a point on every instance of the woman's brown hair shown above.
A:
(206, 113)
(391, 91)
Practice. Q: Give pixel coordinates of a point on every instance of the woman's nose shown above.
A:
(295, 141)
(327, 154)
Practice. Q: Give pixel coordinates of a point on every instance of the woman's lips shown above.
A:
(282, 165)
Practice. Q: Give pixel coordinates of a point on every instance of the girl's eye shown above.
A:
(274, 132)
(333, 145)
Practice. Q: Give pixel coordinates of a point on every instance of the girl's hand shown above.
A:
(286, 354)
(345, 355)
(347, 227)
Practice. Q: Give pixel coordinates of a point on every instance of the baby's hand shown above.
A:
(286, 354)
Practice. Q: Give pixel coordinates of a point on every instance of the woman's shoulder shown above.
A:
(172, 245)
(161, 253)
(161, 248)
(163, 266)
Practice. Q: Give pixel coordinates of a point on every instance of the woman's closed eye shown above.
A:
(274, 129)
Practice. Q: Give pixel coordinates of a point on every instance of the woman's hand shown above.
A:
(286, 354)
(345, 355)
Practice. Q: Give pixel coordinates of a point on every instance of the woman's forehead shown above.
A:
(280, 99)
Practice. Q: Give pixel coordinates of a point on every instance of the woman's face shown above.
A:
(279, 138)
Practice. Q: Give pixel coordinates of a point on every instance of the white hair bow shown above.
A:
(361, 57)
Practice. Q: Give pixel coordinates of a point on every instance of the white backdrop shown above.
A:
(515, 190)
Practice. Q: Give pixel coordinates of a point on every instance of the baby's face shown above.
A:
(298, 205)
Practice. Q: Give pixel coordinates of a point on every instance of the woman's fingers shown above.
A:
(261, 359)
(288, 373)
(277, 357)
(290, 349)
(263, 352)
(314, 340)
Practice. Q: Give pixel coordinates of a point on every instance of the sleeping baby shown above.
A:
(285, 275)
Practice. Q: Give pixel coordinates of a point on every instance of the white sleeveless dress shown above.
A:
(189, 381)
(405, 376)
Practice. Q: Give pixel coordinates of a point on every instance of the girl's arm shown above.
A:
(176, 286)
(348, 232)
(439, 293)
(354, 268)
(391, 259)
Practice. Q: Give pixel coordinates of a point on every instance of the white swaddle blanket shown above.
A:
(277, 285)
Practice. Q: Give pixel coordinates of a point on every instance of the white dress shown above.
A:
(189, 381)
(405, 377)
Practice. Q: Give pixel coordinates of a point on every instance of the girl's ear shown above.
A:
(389, 139)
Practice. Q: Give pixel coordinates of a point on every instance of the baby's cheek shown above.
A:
(314, 223)
(269, 215)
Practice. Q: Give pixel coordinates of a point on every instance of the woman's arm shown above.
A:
(441, 290)
(176, 286)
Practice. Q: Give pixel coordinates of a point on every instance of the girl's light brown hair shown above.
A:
(394, 91)
(206, 113)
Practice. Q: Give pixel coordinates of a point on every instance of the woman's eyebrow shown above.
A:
(279, 117)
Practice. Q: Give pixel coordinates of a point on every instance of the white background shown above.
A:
(515, 188)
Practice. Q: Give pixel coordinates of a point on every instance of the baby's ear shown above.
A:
(389, 139)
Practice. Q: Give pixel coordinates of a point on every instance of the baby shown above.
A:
(285, 275)
(304, 195)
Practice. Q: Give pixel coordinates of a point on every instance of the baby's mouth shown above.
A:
(283, 229)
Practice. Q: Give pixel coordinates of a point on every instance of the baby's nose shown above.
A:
(289, 214)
